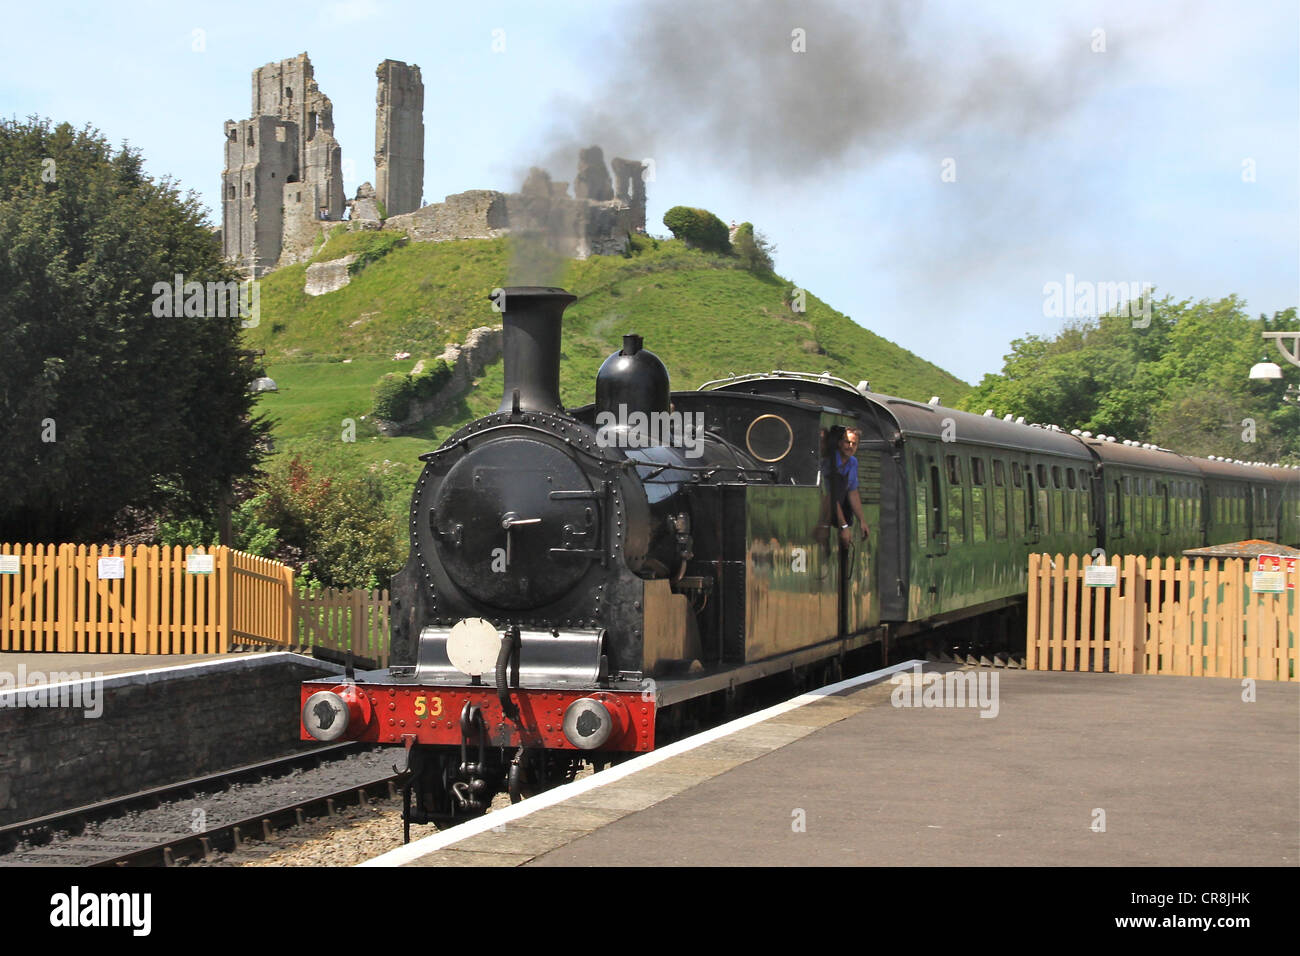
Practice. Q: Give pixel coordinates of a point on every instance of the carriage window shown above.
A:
(1016, 478)
(956, 521)
(999, 500)
(1042, 476)
(1056, 476)
(936, 502)
(1085, 500)
(1069, 478)
(978, 510)
(922, 513)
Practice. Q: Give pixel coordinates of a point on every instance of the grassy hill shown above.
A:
(700, 314)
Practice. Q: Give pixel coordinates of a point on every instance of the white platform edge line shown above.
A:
(498, 818)
(105, 676)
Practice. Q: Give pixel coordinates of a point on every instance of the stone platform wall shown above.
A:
(156, 728)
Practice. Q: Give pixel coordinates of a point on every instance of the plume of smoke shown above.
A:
(729, 83)
(800, 93)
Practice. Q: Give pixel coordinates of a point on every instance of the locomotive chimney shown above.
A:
(530, 345)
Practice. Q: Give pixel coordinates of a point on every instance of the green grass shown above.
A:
(702, 316)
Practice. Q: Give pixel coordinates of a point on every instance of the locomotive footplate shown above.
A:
(604, 720)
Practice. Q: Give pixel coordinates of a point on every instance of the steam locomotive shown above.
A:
(580, 579)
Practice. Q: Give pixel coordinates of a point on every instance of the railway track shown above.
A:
(93, 835)
(230, 837)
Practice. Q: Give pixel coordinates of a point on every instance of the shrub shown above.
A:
(699, 228)
(754, 250)
(396, 391)
(393, 397)
(338, 526)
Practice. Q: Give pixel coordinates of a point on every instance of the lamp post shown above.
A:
(1267, 371)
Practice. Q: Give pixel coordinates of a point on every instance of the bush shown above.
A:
(699, 228)
(338, 526)
(431, 381)
(396, 391)
(754, 250)
(393, 397)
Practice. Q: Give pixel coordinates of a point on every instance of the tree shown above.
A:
(699, 228)
(753, 249)
(335, 526)
(106, 403)
(1179, 380)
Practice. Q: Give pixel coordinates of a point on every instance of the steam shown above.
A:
(724, 83)
(801, 93)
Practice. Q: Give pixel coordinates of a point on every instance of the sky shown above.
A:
(928, 169)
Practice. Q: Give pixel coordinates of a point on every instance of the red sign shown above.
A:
(1279, 562)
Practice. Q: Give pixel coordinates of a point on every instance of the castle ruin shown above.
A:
(284, 168)
(399, 138)
(283, 180)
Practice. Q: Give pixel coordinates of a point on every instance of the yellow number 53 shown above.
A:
(432, 707)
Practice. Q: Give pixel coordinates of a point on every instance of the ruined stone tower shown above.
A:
(284, 168)
(399, 138)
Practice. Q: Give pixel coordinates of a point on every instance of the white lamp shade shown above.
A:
(1265, 370)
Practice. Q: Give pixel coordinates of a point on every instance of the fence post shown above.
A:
(67, 594)
(223, 576)
(358, 608)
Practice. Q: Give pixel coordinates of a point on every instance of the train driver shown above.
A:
(844, 486)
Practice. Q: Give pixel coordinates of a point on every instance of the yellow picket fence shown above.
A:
(345, 620)
(1162, 616)
(141, 599)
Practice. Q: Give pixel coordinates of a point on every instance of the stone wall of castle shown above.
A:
(399, 138)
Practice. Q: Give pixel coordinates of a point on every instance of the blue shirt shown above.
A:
(848, 471)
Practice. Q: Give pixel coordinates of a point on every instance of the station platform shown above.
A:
(1067, 769)
(23, 668)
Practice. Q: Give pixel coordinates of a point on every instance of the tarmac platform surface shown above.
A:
(21, 665)
(1074, 769)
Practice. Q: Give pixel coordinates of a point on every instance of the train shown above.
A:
(583, 581)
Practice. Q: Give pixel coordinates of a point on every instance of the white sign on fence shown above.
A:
(1101, 576)
(1268, 581)
(112, 569)
(199, 564)
(10, 564)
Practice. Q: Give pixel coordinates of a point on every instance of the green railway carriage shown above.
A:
(983, 493)
(1286, 504)
(1152, 500)
(959, 501)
